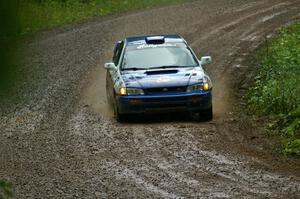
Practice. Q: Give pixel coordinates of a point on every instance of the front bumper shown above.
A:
(191, 102)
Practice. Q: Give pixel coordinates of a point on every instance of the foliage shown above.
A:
(8, 30)
(41, 14)
(19, 17)
(5, 190)
(276, 91)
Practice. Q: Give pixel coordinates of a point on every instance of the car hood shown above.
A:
(162, 77)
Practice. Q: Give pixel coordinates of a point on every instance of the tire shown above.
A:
(204, 115)
(119, 117)
(208, 114)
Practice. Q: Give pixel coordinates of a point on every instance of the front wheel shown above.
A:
(208, 114)
(118, 116)
(203, 115)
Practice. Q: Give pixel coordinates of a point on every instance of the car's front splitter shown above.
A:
(165, 103)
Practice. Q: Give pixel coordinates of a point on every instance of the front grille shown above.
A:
(165, 90)
(166, 99)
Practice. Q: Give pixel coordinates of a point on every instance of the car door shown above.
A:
(111, 75)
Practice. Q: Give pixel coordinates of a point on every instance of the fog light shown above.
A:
(205, 86)
(122, 91)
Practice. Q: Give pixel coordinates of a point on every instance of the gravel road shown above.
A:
(59, 140)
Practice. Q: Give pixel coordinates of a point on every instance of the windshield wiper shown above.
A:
(134, 68)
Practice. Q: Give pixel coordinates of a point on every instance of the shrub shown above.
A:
(276, 91)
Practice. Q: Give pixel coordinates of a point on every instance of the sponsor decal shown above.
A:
(155, 45)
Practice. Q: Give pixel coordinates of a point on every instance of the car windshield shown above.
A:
(147, 56)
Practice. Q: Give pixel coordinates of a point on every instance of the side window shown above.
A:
(118, 51)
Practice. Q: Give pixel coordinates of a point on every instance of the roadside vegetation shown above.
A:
(5, 190)
(276, 91)
(41, 14)
(22, 17)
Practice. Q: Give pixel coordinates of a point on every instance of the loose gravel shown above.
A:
(59, 140)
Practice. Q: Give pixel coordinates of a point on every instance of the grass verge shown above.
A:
(22, 17)
(35, 15)
(276, 91)
(5, 190)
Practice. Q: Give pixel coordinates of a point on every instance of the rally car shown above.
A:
(156, 74)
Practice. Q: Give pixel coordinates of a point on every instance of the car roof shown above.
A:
(143, 39)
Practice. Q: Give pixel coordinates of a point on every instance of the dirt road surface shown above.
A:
(59, 140)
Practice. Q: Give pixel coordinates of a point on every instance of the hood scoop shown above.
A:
(159, 72)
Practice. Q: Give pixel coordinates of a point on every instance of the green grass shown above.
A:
(5, 190)
(276, 91)
(9, 27)
(37, 15)
(23, 17)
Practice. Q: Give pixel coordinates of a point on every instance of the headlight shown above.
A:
(135, 91)
(199, 87)
(195, 87)
(131, 91)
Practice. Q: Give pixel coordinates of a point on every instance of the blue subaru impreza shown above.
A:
(154, 74)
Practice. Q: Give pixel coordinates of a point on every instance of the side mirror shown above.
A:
(117, 45)
(206, 60)
(110, 66)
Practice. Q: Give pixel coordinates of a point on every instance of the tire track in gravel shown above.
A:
(62, 143)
